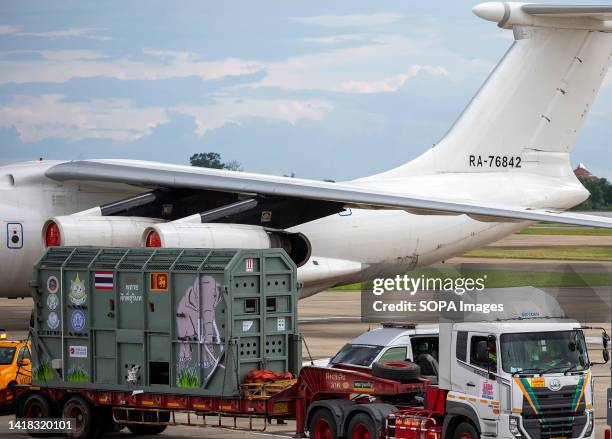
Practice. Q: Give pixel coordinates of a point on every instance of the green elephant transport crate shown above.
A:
(163, 320)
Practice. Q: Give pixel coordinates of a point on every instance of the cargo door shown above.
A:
(130, 328)
(159, 324)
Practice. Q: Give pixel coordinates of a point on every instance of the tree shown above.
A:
(233, 165)
(213, 160)
(600, 197)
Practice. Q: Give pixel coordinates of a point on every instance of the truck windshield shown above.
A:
(539, 352)
(6, 355)
(357, 354)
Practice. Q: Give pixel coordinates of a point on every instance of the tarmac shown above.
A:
(331, 318)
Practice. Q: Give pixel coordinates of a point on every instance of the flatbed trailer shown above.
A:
(342, 401)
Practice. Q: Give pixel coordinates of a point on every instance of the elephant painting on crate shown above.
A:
(196, 321)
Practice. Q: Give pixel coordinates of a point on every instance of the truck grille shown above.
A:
(554, 414)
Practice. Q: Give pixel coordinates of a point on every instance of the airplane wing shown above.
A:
(310, 199)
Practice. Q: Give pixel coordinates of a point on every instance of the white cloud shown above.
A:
(63, 65)
(231, 110)
(337, 39)
(8, 29)
(357, 20)
(392, 83)
(73, 32)
(384, 63)
(50, 117)
(376, 63)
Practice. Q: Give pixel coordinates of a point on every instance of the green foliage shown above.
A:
(77, 375)
(188, 377)
(213, 160)
(601, 195)
(567, 231)
(562, 253)
(43, 372)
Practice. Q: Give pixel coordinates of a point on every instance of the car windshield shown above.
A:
(357, 354)
(6, 355)
(540, 352)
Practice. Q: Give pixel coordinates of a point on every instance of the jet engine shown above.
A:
(111, 231)
(209, 235)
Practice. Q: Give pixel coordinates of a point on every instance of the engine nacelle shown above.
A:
(208, 235)
(104, 231)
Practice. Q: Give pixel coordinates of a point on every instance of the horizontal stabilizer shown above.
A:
(509, 14)
(596, 12)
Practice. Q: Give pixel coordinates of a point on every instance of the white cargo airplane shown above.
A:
(504, 163)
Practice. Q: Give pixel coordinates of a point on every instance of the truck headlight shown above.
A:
(590, 423)
(513, 426)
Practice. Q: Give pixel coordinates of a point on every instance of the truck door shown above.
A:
(481, 379)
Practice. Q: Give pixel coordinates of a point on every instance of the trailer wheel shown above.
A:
(36, 406)
(322, 425)
(465, 430)
(402, 371)
(362, 427)
(85, 425)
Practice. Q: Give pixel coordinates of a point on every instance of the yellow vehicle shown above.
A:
(15, 362)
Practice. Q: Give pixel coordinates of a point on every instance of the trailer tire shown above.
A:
(402, 371)
(362, 426)
(86, 424)
(322, 425)
(466, 430)
(36, 405)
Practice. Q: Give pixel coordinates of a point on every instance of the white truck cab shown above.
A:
(518, 377)
(391, 342)
(529, 380)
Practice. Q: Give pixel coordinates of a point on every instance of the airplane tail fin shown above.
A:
(529, 111)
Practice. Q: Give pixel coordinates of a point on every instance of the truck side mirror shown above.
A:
(606, 355)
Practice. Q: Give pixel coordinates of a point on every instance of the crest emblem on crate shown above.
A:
(53, 320)
(52, 284)
(77, 294)
(78, 320)
(52, 301)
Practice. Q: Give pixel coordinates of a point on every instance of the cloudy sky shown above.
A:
(322, 89)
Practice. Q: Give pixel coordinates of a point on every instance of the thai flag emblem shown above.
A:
(248, 264)
(104, 280)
